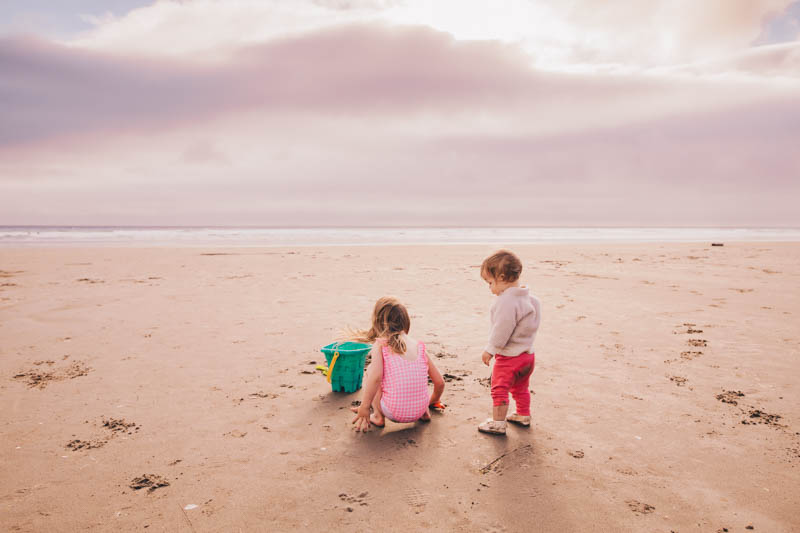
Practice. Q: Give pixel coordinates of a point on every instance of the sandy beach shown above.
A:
(165, 389)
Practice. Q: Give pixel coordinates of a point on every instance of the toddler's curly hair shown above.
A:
(502, 266)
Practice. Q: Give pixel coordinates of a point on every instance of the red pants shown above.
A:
(513, 374)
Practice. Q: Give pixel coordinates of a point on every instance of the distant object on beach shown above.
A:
(717, 244)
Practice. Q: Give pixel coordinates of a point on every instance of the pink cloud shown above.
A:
(665, 32)
(361, 70)
(403, 125)
(63, 91)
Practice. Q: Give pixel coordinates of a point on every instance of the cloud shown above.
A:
(557, 34)
(773, 60)
(723, 167)
(403, 124)
(204, 152)
(208, 29)
(665, 32)
(358, 69)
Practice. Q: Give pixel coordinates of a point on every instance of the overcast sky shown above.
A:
(400, 112)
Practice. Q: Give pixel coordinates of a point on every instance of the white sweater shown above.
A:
(515, 320)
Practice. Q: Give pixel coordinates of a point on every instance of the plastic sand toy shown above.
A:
(345, 365)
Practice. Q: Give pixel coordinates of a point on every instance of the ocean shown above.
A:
(32, 236)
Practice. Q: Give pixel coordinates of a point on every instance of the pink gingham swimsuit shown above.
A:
(404, 387)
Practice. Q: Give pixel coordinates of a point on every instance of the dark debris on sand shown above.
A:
(730, 396)
(119, 425)
(757, 416)
(680, 381)
(151, 482)
(639, 507)
(78, 444)
(38, 379)
(260, 394)
(486, 382)
(35, 379)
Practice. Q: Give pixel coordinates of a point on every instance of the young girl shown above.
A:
(515, 319)
(396, 384)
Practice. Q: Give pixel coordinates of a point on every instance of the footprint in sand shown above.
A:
(260, 394)
(454, 377)
(415, 498)
(690, 329)
(757, 416)
(77, 445)
(360, 500)
(39, 379)
(730, 396)
(115, 425)
(151, 482)
(486, 382)
(407, 443)
(495, 528)
(639, 507)
(119, 425)
(678, 380)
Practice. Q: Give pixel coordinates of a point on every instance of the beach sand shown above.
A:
(666, 391)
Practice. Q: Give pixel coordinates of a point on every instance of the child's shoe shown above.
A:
(522, 420)
(495, 427)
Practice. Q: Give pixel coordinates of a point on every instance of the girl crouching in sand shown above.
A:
(396, 384)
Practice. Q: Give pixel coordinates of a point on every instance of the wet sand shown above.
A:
(175, 390)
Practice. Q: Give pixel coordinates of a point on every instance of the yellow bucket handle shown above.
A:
(333, 362)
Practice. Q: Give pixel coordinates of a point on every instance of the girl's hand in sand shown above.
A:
(361, 419)
(487, 357)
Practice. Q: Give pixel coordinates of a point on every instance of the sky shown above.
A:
(400, 112)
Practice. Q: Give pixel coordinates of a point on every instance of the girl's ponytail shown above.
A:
(397, 344)
(389, 320)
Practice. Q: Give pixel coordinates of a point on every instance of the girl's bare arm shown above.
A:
(371, 383)
(438, 382)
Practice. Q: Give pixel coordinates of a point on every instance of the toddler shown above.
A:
(515, 317)
(396, 383)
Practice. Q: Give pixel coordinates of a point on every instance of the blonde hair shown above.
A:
(502, 266)
(389, 320)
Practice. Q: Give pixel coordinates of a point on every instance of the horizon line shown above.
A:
(248, 226)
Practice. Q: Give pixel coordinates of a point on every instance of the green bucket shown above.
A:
(346, 364)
